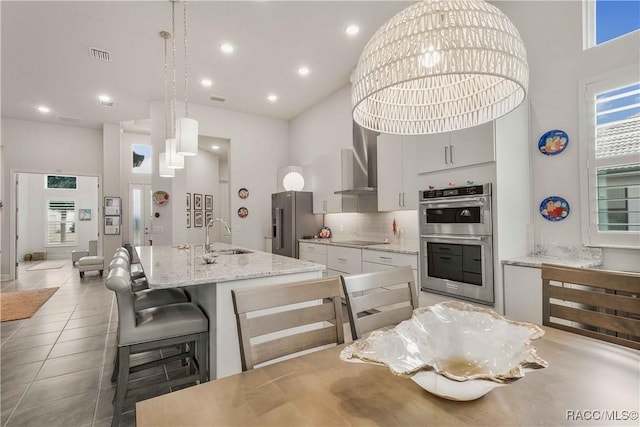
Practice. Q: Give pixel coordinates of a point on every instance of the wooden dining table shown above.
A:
(588, 383)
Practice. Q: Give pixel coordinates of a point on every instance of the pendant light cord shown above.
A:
(173, 48)
(186, 80)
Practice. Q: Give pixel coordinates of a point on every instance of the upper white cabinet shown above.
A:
(397, 174)
(455, 149)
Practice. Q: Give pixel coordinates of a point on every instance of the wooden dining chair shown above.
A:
(597, 303)
(313, 307)
(379, 299)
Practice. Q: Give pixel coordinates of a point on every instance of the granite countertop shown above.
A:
(403, 247)
(170, 266)
(567, 256)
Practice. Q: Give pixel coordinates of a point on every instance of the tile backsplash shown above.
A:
(373, 226)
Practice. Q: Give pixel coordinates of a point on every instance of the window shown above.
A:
(61, 222)
(611, 126)
(141, 158)
(605, 20)
(61, 182)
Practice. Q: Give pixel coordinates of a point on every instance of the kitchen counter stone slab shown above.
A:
(570, 256)
(171, 267)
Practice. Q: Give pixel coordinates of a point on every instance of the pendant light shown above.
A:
(186, 127)
(163, 170)
(438, 66)
(173, 159)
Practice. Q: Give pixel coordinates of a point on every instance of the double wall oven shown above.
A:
(456, 242)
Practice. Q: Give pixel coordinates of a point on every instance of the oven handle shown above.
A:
(471, 201)
(442, 237)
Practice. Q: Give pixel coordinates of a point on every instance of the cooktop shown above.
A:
(360, 242)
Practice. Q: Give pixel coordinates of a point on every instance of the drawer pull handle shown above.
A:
(342, 259)
(386, 257)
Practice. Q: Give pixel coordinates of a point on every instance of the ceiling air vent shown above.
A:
(217, 98)
(69, 120)
(99, 54)
(108, 104)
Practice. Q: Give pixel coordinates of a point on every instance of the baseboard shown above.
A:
(5, 277)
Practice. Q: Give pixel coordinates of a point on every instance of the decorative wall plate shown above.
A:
(325, 233)
(243, 212)
(554, 208)
(553, 142)
(243, 193)
(160, 198)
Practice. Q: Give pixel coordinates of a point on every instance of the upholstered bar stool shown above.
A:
(151, 329)
(146, 298)
(135, 268)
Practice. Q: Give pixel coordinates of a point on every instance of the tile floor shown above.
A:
(56, 366)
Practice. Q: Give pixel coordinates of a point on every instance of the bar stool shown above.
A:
(152, 329)
(147, 298)
(135, 269)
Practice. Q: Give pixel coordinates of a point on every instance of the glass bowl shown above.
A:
(453, 349)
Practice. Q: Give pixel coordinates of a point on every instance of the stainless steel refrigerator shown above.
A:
(292, 218)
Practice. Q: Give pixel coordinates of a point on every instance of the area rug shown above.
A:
(48, 265)
(23, 304)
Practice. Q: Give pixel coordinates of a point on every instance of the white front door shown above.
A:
(140, 215)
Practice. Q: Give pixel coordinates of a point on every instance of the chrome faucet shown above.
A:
(207, 243)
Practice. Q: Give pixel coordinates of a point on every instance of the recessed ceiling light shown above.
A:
(352, 30)
(303, 71)
(215, 147)
(206, 82)
(227, 47)
(44, 109)
(104, 98)
(272, 97)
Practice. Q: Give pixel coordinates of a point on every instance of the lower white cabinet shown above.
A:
(314, 252)
(344, 260)
(380, 260)
(522, 293)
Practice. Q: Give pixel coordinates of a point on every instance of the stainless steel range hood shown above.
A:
(360, 165)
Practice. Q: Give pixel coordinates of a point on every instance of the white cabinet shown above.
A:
(522, 293)
(342, 260)
(314, 252)
(381, 260)
(455, 149)
(397, 173)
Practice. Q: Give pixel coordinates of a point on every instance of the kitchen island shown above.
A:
(210, 285)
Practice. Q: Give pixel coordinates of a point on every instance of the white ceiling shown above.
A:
(45, 57)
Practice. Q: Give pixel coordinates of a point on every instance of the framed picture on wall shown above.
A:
(197, 218)
(188, 201)
(208, 202)
(111, 225)
(197, 202)
(84, 214)
(188, 219)
(112, 205)
(208, 216)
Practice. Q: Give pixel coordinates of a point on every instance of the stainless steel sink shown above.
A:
(210, 257)
(231, 251)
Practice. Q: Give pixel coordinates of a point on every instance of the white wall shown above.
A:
(32, 200)
(258, 148)
(324, 128)
(202, 178)
(41, 147)
(552, 33)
